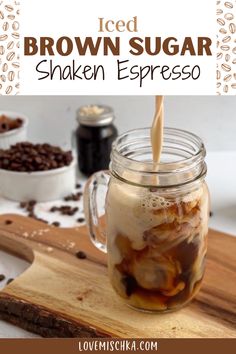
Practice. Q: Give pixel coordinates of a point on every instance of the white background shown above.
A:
(180, 19)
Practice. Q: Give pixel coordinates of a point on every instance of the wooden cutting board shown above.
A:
(60, 295)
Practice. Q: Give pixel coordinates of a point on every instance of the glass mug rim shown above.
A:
(189, 168)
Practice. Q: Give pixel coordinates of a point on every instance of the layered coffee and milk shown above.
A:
(156, 238)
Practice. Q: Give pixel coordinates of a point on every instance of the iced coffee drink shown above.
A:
(156, 245)
(156, 213)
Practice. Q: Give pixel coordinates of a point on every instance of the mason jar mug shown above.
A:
(156, 219)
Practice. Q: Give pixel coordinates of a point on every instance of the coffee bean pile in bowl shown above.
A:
(41, 172)
(28, 157)
(7, 124)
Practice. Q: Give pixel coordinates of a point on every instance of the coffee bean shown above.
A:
(73, 211)
(53, 209)
(6, 162)
(80, 220)
(8, 222)
(73, 197)
(28, 157)
(211, 214)
(9, 280)
(78, 186)
(81, 255)
(23, 205)
(28, 206)
(65, 210)
(56, 223)
(32, 215)
(2, 277)
(32, 203)
(38, 160)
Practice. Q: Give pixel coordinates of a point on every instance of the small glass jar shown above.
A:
(156, 219)
(94, 137)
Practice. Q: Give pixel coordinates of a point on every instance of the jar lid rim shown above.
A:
(96, 115)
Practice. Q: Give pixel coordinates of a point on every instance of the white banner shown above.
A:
(126, 47)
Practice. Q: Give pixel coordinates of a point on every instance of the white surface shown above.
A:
(42, 186)
(222, 183)
(42, 210)
(53, 118)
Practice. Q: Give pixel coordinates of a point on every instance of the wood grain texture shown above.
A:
(60, 295)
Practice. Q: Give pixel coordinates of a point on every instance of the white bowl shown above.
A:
(42, 186)
(16, 135)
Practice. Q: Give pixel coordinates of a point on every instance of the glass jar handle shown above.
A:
(95, 224)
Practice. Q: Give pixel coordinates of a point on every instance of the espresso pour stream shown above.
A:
(157, 130)
(157, 133)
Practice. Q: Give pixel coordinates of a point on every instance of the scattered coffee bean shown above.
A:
(28, 157)
(2, 277)
(81, 255)
(32, 215)
(53, 209)
(65, 210)
(9, 280)
(80, 220)
(30, 208)
(7, 124)
(23, 205)
(8, 222)
(211, 214)
(78, 186)
(32, 203)
(73, 197)
(56, 223)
